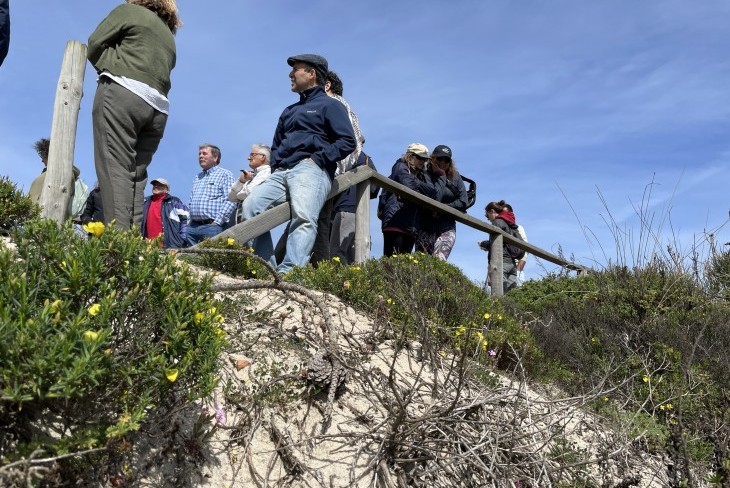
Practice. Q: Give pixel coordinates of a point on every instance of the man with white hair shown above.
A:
(258, 161)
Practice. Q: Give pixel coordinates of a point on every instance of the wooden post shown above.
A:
(496, 272)
(58, 187)
(362, 222)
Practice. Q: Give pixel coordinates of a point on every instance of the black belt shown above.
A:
(202, 222)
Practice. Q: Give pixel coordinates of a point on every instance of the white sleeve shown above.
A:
(523, 234)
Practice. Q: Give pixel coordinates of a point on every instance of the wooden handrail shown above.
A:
(363, 177)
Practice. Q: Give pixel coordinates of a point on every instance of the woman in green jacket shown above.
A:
(133, 50)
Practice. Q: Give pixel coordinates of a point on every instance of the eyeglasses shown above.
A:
(256, 154)
(443, 159)
(420, 158)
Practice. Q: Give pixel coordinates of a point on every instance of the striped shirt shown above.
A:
(209, 198)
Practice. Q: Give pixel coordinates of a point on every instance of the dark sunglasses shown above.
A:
(443, 159)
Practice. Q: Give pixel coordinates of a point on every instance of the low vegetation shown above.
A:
(102, 338)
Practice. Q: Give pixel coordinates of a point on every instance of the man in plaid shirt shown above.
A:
(210, 209)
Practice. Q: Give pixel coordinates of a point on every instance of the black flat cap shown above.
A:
(315, 60)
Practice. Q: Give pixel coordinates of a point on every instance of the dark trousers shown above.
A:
(127, 131)
(397, 243)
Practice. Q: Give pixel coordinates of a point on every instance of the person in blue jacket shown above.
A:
(400, 219)
(311, 136)
(437, 234)
(166, 215)
(4, 29)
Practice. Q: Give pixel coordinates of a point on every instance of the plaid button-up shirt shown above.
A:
(209, 198)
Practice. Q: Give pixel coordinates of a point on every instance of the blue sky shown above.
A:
(583, 115)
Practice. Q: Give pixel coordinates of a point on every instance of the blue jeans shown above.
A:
(305, 187)
(197, 233)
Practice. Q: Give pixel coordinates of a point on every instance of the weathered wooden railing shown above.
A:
(363, 177)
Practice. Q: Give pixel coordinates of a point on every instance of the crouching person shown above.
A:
(165, 214)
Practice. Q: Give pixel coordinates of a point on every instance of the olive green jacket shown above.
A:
(134, 42)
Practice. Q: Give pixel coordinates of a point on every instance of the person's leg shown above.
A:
(321, 249)
(147, 142)
(397, 243)
(509, 271)
(270, 193)
(117, 117)
(342, 237)
(405, 244)
(198, 233)
(280, 249)
(388, 243)
(444, 244)
(312, 185)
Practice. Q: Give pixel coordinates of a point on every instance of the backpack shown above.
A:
(78, 203)
(513, 251)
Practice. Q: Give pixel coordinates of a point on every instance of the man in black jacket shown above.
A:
(311, 137)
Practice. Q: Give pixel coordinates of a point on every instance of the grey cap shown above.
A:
(161, 181)
(318, 62)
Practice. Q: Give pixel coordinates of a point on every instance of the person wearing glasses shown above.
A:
(210, 209)
(258, 161)
(400, 219)
(437, 233)
(133, 51)
(312, 135)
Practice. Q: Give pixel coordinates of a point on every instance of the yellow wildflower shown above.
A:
(219, 318)
(646, 378)
(95, 228)
(171, 375)
(389, 301)
(253, 271)
(90, 336)
(356, 268)
(55, 305)
(499, 316)
(415, 261)
(107, 352)
(198, 317)
(460, 331)
(94, 309)
(336, 259)
(231, 241)
(486, 316)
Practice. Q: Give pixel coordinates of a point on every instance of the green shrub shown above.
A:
(96, 336)
(232, 263)
(718, 275)
(427, 299)
(651, 336)
(15, 207)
